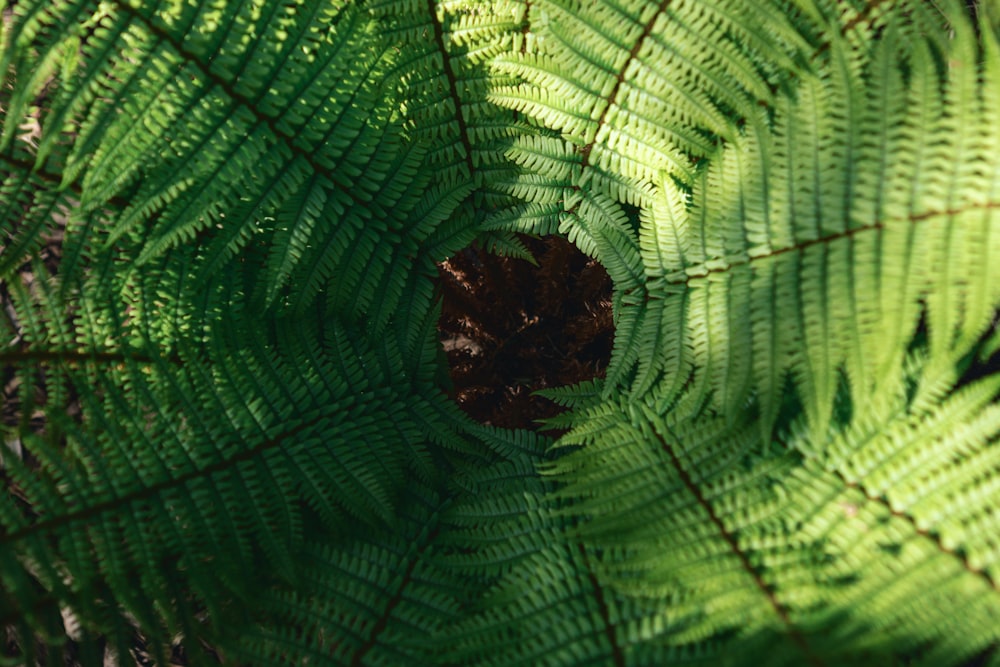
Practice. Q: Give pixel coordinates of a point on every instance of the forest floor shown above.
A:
(510, 328)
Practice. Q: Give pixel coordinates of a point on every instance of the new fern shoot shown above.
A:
(226, 438)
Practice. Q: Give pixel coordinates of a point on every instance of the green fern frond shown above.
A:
(376, 598)
(751, 225)
(225, 426)
(783, 548)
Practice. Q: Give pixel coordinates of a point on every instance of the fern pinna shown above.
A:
(226, 435)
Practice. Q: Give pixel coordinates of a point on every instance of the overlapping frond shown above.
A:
(538, 597)
(160, 468)
(224, 424)
(884, 541)
(829, 231)
(376, 598)
(637, 86)
(230, 212)
(768, 297)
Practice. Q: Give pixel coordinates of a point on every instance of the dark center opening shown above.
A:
(510, 328)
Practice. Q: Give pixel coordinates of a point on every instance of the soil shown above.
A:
(510, 328)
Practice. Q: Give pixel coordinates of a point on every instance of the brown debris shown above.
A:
(510, 328)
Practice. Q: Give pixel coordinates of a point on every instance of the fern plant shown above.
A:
(226, 438)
